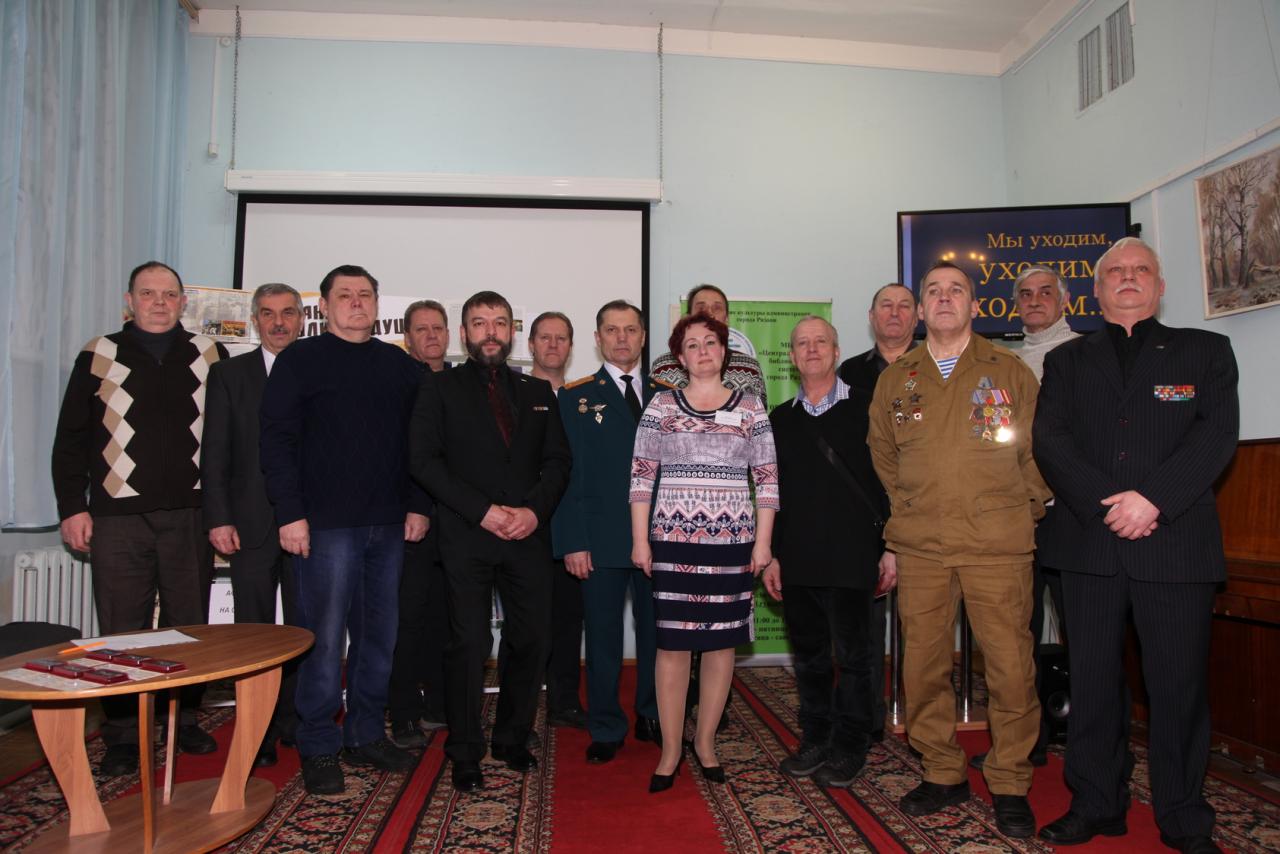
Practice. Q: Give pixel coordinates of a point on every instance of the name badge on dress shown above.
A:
(728, 419)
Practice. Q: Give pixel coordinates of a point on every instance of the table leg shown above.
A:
(255, 701)
(61, 732)
(146, 768)
(170, 744)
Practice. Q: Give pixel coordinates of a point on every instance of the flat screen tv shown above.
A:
(993, 245)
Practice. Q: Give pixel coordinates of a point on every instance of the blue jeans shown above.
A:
(349, 583)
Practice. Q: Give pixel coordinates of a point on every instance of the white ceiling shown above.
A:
(1003, 29)
(984, 25)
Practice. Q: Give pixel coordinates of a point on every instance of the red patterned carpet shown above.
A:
(568, 806)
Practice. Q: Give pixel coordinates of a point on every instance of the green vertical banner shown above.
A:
(762, 328)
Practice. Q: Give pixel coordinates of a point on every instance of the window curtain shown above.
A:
(92, 118)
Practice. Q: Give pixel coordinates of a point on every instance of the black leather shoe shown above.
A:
(192, 739)
(841, 770)
(662, 782)
(1191, 844)
(600, 752)
(120, 759)
(928, 798)
(322, 775)
(1076, 829)
(1014, 817)
(380, 754)
(267, 755)
(405, 734)
(517, 757)
(648, 729)
(808, 758)
(710, 773)
(574, 718)
(977, 761)
(467, 776)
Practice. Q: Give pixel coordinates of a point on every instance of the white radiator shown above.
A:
(51, 586)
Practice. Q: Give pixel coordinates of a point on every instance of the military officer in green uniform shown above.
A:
(591, 530)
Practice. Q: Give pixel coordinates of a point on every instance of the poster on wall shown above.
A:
(994, 245)
(1239, 212)
(762, 328)
(220, 313)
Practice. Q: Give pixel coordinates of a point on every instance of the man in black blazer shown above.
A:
(237, 514)
(487, 443)
(1134, 424)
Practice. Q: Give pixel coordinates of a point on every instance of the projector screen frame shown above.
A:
(244, 199)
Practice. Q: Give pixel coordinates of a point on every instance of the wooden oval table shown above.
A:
(195, 816)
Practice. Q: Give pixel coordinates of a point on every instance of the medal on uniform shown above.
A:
(597, 407)
(582, 405)
(599, 418)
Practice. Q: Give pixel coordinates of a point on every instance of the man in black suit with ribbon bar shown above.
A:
(1134, 424)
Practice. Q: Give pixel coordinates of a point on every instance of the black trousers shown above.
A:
(417, 668)
(828, 628)
(255, 575)
(876, 652)
(1173, 624)
(564, 655)
(521, 571)
(134, 558)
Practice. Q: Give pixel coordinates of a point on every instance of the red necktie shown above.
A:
(499, 406)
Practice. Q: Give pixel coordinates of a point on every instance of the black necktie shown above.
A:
(630, 397)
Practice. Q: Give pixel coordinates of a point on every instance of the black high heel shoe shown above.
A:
(710, 773)
(662, 782)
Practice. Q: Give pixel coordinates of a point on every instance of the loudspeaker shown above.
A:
(1055, 689)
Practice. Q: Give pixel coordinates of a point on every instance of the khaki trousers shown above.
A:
(998, 601)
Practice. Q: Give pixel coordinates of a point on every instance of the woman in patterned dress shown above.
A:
(698, 538)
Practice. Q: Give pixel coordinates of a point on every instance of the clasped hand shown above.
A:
(1131, 515)
(509, 523)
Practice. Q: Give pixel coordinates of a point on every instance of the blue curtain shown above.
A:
(92, 117)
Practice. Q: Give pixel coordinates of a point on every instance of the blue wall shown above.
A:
(1205, 76)
(781, 178)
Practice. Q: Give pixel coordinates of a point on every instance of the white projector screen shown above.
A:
(542, 255)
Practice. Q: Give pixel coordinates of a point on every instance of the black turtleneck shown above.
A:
(155, 343)
(1128, 345)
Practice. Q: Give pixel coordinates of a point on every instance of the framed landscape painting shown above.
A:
(1239, 213)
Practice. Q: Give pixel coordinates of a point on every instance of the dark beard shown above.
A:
(499, 358)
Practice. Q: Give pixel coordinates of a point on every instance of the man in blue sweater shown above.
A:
(334, 453)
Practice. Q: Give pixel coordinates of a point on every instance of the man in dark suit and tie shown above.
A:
(1135, 422)
(487, 443)
(240, 519)
(592, 527)
(416, 691)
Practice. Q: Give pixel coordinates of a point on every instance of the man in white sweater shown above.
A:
(1041, 295)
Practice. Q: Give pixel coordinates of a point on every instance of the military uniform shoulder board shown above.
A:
(579, 381)
(655, 382)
